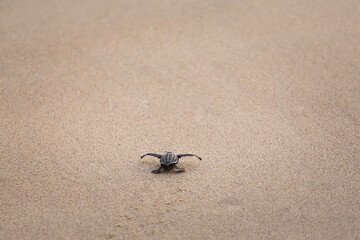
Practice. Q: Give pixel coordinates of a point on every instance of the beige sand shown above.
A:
(267, 92)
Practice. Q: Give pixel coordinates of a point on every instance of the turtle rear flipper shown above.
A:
(179, 169)
(157, 170)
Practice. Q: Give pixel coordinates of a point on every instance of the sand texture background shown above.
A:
(266, 92)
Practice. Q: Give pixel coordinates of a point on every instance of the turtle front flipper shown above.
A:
(157, 170)
(188, 155)
(152, 154)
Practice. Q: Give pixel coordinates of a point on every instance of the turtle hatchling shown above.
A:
(169, 160)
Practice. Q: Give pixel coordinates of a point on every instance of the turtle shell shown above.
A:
(169, 158)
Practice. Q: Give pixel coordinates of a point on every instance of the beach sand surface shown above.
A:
(267, 92)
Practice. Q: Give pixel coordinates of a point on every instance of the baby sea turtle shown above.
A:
(169, 160)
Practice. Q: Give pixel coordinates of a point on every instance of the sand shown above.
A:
(266, 92)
